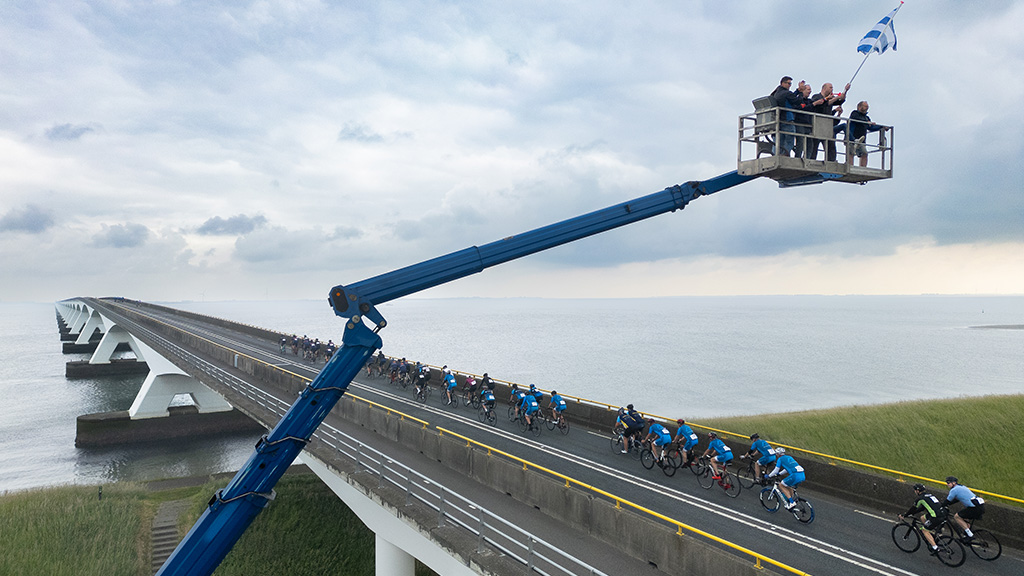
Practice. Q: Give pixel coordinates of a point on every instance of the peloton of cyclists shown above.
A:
(793, 471)
(766, 456)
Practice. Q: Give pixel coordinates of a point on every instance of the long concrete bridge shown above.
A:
(465, 497)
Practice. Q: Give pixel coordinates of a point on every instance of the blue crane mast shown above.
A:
(232, 509)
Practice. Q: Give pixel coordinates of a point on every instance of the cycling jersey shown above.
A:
(928, 504)
(724, 453)
(451, 381)
(963, 495)
(685, 433)
(519, 395)
(488, 397)
(795, 471)
(529, 404)
(632, 420)
(559, 403)
(662, 434)
(767, 452)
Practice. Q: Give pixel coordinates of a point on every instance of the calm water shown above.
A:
(694, 357)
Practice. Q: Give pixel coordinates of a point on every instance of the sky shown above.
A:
(177, 150)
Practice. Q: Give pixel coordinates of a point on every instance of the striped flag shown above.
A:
(881, 36)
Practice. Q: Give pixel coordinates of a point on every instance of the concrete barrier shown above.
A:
(112, 428)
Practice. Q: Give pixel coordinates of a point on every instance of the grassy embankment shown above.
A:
(69, 531)
(975, 439)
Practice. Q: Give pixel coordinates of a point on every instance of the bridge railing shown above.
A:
(452, 508)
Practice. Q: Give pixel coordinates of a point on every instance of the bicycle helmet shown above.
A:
(712, 435)
(553, 392)
(629, 406)
(680, 422)
(754, 436)
(952, 480)
(780, 451)
(650, 420)
(515, 386)
(918, 487)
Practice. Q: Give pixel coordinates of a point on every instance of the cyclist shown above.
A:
(723, 454)
(634, 426)
(795, 474)
(536, 393)
(450, 385)
(422, 379)
(659, 436)
(284, 343)
(470, 384)
(487, 400)
(516, 398)
(973, 509)
(933, 513)
(403, 370)
(488, 383)
(687, 439)
(557, 407)
(528, 407)
(767, 456)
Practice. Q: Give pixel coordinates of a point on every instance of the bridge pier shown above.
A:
(93, 323)
(392, 560)
(164, 382)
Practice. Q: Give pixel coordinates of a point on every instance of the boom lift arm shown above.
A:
(232, 509)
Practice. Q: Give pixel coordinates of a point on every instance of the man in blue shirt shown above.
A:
(659, 436)
(974, 506)
(450, 385)
(528, 408)
(767, 456)
(516, 398)
(686, 438)
(557, 406)
(723, 454)
(793, 471)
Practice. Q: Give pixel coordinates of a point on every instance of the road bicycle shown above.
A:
(534, 426)
(984, 544)
(487, 414)
(667, 464)
(727, 480)
(617, 440)
(772, 498)
(454, 403)
(470, 397)
(558, 421)
(906, 535)
(423, 392)
(747, 475)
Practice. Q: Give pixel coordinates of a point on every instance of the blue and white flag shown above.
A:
(881, 36)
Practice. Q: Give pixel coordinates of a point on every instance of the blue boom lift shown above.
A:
(232, 509)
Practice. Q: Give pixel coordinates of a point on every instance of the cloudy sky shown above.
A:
(177, 150)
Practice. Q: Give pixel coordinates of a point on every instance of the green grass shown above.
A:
(69, 530)
(976, 439)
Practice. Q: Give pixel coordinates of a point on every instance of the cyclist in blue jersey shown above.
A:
(516, 398)
(687, 439)
(450, 384)
(766, 456)
(487, 398)
(659, 437)
(723, 454)
(537, 393)
(528, 408)
(974, 506)
(794, 474)
(557, 406)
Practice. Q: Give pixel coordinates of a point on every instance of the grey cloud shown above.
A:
(358, 133)
(31, 219)
(121, 236)
(67, 132)
(240, 224)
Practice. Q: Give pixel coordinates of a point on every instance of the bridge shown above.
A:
(465, 497)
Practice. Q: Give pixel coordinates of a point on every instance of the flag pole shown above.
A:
(875, 45)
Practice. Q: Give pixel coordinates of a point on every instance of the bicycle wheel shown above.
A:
(551, 424)
(535, 426)
(647, 458)
(455, 401)
(522, 424)
(635, 449)
(985, 545)
(511, 413)
(421, 396)
(905, 537)
(675, 457)
(616, 444)
(803, 511)
(706, 478)
(563, 426)
(668, 465)
(746, 476)
(770, 500)
(731, 484)
(481, 415)
(474, 399)
(466, 400)
(492, 417)
(951, 551)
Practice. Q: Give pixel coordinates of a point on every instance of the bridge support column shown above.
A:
(94, 322)
(115, 336)
(164, 382)
(392, 560)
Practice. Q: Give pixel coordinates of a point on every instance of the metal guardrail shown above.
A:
(619, 502)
